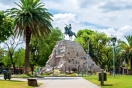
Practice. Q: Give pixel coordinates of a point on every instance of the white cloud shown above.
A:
(65, 18)
(115, 16)
(116, 5)
(119, 33)
(126, 30)
(59, 20)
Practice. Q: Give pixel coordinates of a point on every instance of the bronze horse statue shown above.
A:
(69, 32)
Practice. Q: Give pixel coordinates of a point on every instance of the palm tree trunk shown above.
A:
(26, 62)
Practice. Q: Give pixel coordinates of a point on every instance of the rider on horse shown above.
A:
(69, 32)
(68, 29)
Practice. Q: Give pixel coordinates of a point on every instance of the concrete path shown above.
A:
(62, 82)
(67, 82)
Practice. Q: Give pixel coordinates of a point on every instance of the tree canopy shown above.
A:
(6, 24)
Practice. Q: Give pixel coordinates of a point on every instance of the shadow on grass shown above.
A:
(16, 81)
(107, 85)
(13, 80)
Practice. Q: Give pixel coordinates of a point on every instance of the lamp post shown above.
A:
(87, 56)
(113, 39)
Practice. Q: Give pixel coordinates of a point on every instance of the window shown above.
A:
(76, 54)
(68, 52)
(58, 51)
(84, 58)
(69, 60)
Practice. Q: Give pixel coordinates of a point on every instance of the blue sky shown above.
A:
(114, 17)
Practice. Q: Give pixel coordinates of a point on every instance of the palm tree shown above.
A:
(127, 47)
(31, 20)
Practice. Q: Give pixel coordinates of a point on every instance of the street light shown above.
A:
(113, 39)
(87, 55)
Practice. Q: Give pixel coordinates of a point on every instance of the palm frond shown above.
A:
(31, 13)
(129, 40)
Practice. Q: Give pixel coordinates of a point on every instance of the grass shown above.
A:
(120, 81)
(14, 84)
(22, 76)
(26, 76)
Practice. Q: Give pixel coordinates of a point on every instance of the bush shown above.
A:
(56, 72)
(73, 74)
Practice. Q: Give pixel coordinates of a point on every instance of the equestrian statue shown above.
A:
(69, 32)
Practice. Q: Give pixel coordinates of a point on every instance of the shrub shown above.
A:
(73, 74)
(56, 72)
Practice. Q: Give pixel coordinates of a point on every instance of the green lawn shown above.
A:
(22, 76)
(120, 81)
(13, 84)
(16, 84)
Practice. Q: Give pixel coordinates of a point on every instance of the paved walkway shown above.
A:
(66, 82)
(62, 82)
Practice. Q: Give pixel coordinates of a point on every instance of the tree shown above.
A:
(127, 48)
(31, 20)
(1, 56)
(48, 45)
(6, 60)
(6, 24)
(82, 37)
(40, 49)
(12, 44)
(99, 48)
(19, 57)
(101, 51)
(40, 55)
